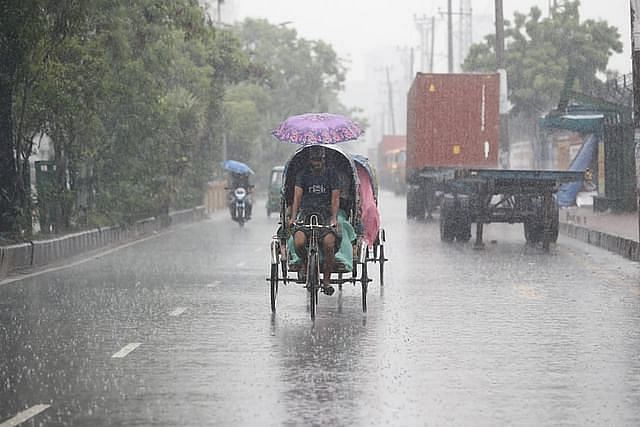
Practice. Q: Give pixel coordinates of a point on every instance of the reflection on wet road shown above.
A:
(177, 330)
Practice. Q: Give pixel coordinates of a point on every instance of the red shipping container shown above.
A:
(453, 120)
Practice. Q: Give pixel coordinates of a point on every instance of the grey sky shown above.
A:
(354, 27)
(373, 35)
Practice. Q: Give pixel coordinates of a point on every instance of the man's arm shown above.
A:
(335, 205)
(297, 198)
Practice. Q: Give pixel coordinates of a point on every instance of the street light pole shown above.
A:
(635, 44)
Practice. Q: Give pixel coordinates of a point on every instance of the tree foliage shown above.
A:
(128, 93)
(287, 75)
(138, 100)
(539, 52)
(30, 31)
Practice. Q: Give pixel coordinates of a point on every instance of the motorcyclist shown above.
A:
(238, 180)
(316, 191)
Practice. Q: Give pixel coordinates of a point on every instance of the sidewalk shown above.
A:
(616, 232)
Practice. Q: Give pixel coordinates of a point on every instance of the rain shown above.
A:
(334, 213)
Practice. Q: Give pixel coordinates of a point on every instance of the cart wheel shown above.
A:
(463, 231)
(533, 231)
(365, 284)
(313, 283)
(274, 286)
(382, 261)
(446, 229)
(555, 221)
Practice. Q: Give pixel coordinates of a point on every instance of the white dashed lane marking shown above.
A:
(25, 415)
(126, 350)
(178, 311)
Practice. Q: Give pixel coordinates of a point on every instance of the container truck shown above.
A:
(453, 147)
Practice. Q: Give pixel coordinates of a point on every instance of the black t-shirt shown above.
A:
(238, 180)
(316, 189)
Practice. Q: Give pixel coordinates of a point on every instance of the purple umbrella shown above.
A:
(317, 128)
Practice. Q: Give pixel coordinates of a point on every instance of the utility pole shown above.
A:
(433, 42)
(504, 113)
(411, 66)
(635, 45)
(390, 92)
(450, 35)
(422, 25)
(464, 30)
(219, 11)
(499, 35)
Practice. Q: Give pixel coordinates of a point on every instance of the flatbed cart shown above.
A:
(483, 196)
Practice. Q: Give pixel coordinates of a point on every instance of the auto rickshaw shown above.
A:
(275, 187)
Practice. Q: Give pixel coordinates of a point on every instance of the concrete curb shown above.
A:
(629, 249)
(42, 252)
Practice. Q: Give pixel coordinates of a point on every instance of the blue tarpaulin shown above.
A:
(567, 192)
(584, 119)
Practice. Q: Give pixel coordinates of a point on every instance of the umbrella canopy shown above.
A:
(237, 167)
(317, 128)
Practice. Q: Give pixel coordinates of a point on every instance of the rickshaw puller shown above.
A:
(316, 190)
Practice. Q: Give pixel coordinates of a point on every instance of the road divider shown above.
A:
(627, 248)
(38, 253)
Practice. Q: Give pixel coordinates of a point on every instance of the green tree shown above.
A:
(539, 52)
(131, 101)
(29, 31)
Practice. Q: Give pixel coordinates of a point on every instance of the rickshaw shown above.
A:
(273, 195)
(356, 248)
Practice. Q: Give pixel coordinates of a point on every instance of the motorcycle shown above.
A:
(240, 205)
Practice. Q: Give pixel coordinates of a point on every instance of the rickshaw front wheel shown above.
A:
(313, 283)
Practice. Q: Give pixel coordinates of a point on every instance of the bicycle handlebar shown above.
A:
(313, 223)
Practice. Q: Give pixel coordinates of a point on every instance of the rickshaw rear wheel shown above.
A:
(274, 286)
(381, 260)
(285, 270)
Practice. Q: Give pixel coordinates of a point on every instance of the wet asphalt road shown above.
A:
(504, 336)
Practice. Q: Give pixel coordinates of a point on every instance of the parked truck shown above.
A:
(392, 152)
(453, 140)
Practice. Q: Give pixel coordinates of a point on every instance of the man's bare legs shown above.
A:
(328, 250)
(328, 246)
(299, 243)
